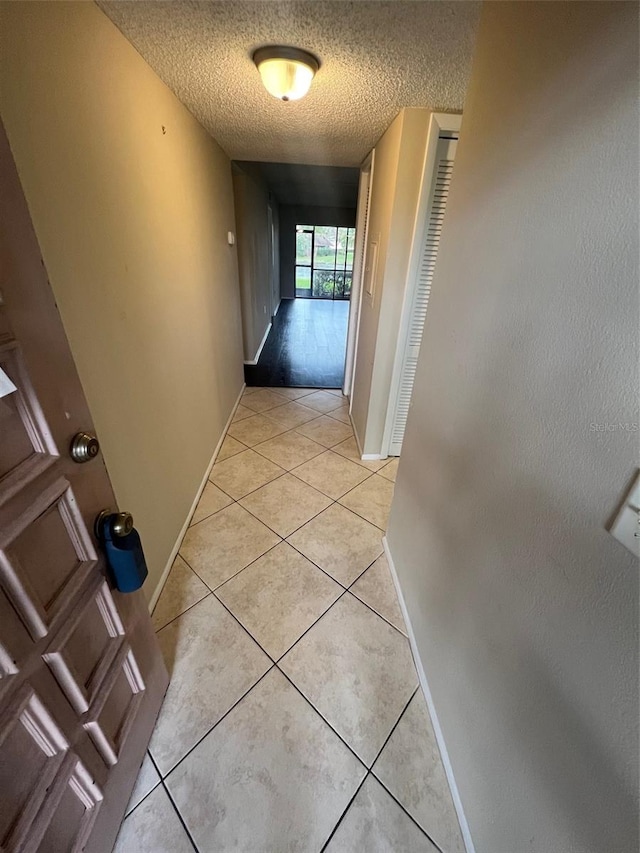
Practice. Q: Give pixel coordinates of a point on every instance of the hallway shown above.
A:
(305, 347)
(294, 720)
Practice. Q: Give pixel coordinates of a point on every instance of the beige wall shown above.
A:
(254, 259)
(524, 608)
(131, 201)
(399, 158)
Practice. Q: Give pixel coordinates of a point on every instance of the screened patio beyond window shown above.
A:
(324, 261)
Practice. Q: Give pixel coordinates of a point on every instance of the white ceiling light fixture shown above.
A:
(287, 72)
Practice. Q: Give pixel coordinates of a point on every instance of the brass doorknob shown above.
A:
(84, 447)
(121, 523)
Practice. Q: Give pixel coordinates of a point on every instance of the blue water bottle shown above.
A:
(123, 548)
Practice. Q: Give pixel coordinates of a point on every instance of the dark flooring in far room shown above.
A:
(306, 346)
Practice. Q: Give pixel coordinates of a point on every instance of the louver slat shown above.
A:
(421, 299)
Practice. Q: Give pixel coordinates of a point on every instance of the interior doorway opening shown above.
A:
(324, 261)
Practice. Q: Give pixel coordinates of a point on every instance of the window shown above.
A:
(324, 261)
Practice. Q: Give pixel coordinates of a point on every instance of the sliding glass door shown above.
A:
(324, 261)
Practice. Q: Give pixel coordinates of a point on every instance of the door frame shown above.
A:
(274, 279)
(355, 303)
(438, 123)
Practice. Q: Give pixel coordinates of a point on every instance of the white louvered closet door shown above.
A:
(419, 299)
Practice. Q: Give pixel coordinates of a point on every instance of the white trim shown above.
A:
(185, 526)
(263, 342)
(439, 122)
(422, 677)
(365, 457)
(277, 307)
(355, 434)
(355, 301)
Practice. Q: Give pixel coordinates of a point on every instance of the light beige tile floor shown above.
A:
(293, 720)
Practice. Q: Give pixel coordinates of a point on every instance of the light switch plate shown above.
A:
(626, 524)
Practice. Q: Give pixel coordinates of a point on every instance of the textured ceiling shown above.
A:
(317, 186)
(376, 57)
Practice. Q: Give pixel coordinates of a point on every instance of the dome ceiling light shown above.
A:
(286, 72)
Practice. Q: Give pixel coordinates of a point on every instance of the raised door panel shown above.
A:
(69, 813)
(84, 650)
(46, 556)
(37, 766)
(15, 640)
(114, 708)
(26, 447)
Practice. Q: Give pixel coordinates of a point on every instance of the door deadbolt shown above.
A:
(84, 447)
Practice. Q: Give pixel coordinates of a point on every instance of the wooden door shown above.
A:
(81, 675)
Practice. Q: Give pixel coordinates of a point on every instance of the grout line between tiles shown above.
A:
(257, 446)
(313, 624)
(257, 489)
(373, 610)
(275, 663)
(279, 659)
(208, 732)
(355, 594)
(327, 573)
(391, 794)
(353, 510)
(322, 717)
(408, 814)
(187, 609)
(251, 446)
(344, 813)
(226, 435)
(344, 588)
(264, 412)
(395, 726)
(148, 794)
(257, 642)
(180, 818)
(293, 471)
(299, 526)
(285, 539)
(308, 408)
(213, 589)
(153, 761)
(215, 512)
(213, 482)
(324, 571)
(315, 621)
(315, 565)
(245, 629)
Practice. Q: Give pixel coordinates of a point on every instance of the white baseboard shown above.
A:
(448, 769)
(373, 457)
(277, 308)
(185, 526)
(260, 348)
